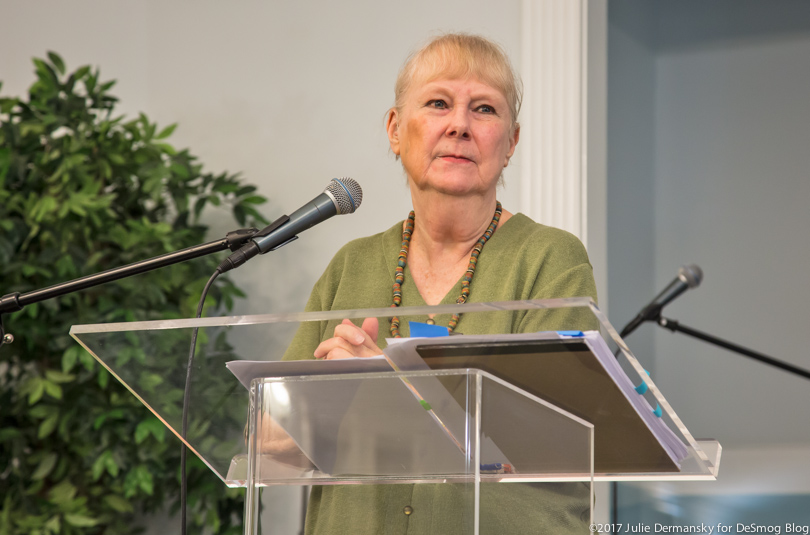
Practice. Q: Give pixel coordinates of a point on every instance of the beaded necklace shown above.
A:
(402, 261)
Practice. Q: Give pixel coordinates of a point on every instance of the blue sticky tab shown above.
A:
(425, 330)
(573, 334)
(642, 387)
(657, 410)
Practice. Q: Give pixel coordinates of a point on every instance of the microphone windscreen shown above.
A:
(692, 275)
(347, 193)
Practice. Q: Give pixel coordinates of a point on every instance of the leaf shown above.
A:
(45, 466)
(87, 360)
(111, 465)
(42, 411)
(46, 73)
(57, 62)
(138, 478)
(47, 426)
(52, 389)
(65, 267)
(179, 170)
(199, 205)
(106, 170)
(255, 199)
(255, 214)
(100, 465)
(165, 147)
(118, 503)
(59, 377)
(80, 521)
(37, 390)
(54, 524)
(149, 381)
(81, 72)
(166, 132)
(146, 482)
(103, 378)
(5, 162)
(45, 206)
(239, 214)
(114, 414)
(9, 434)
(151, 426)
(69, 357)
(226, 187)
(63, 492)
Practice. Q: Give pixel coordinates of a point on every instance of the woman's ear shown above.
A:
(513, 141)
(392, 127)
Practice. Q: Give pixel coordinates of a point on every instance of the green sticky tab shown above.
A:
(425, 404)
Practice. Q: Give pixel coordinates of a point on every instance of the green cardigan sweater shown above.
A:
(522, 260)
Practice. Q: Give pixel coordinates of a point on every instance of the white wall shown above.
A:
(630, 167)
(732, 185)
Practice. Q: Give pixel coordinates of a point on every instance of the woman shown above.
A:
(454, 127)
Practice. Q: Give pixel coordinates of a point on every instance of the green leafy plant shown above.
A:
(82, 191)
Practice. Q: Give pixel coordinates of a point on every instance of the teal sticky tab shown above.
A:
(575, 334)
(424, 330)
(642, 387)
(657, 410)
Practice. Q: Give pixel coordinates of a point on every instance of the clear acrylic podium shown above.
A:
(488, 448)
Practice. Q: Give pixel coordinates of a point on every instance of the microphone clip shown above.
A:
(244, 248)
(271, 227)
(278, 223)
(237, 238)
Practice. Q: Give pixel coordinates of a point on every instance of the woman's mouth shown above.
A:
(455, 158)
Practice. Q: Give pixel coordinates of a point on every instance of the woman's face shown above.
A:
(454, 136)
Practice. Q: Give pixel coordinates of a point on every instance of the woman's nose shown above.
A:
(459, 124)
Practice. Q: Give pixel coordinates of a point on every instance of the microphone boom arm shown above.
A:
(675, 326)
(14, 302)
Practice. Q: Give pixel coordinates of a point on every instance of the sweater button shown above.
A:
(408, 510)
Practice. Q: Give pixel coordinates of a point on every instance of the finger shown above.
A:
(371, 326)
(332, 343)
(351, 333)
(340, 353)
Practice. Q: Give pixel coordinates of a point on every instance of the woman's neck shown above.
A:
(446, 229)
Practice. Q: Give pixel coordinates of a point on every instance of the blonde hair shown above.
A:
(460, 55)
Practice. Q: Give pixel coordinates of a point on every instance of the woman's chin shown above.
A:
(458, 186)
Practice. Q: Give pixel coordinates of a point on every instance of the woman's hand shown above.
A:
(351, 341)
(275, 442)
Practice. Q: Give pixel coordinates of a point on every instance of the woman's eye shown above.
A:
(485, 108)
(439, 104)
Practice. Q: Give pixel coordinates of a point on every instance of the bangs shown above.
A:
(460, 56)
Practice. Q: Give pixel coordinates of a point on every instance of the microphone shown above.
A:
(688, 277)
(341, 196)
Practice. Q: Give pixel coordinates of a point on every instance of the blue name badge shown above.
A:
(425, 330)
(572, 334)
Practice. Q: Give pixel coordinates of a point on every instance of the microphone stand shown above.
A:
(675, 326)
(16, 301)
